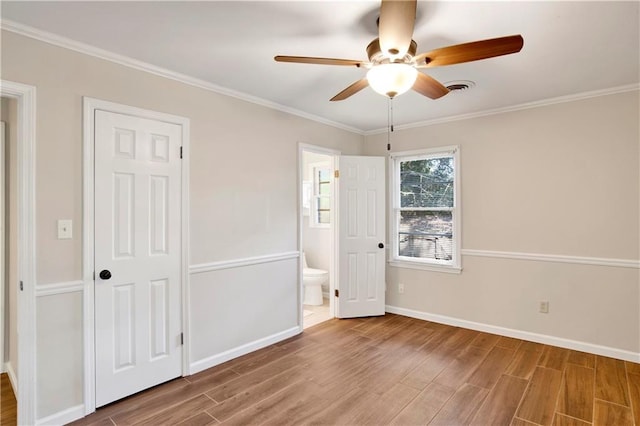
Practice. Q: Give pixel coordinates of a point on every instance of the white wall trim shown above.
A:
(527, 105)
(90, 105)
(247, 261)
(225, 356)
(8, 368)
(63, 417)
(595, 261)
(59, 288)
(519, 334)
(26, 98)
(126, 61)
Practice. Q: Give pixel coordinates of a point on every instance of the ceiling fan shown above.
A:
(393, 64)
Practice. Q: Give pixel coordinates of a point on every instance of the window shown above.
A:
(426, 209)
(321, 200)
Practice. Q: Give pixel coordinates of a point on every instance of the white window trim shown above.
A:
(313, 219)
(394, 199)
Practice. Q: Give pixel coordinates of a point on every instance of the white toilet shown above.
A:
(312, 279)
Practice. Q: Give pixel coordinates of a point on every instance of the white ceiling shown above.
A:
(569, 48)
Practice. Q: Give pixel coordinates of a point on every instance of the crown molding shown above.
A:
(90, 50)
(126, 61)
(519, 107)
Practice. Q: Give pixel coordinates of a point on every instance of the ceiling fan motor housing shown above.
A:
(374, 52)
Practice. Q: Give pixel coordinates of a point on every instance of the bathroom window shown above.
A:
(321, 200)
(426, 209)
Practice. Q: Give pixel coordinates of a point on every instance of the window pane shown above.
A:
(426, 235)
(324, 175)
(324, 203)
(427, 183)
(324, 188)
(323, 217)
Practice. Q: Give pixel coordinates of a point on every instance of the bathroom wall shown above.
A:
(316, 242)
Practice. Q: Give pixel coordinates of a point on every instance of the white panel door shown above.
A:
(137, 254)
(361, 254)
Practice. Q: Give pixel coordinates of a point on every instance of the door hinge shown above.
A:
(336, 173)
(180, 152)
(182, 338)
(337, 292)
(21, 286)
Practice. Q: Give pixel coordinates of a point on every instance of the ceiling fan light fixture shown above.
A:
(392, 79)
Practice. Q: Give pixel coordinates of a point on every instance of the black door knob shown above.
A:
(105, 274)
(380, 245)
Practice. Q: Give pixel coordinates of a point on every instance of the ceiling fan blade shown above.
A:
(351, 90)
(395, 28)
(429, 87)
(320, 61)
(468, 52)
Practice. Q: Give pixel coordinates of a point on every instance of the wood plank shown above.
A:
(425, 406)
(139, 412)
(576, 394)
(201, 419)
(520, 422)
(491, 368)
(485, 340)
(179, 413)
(290, 403)
(502, 401)
(582, 358)
(611, 381)
(608, 414)
(539, 402)
(508, 342)
(461, 368)
(632, 367)
(562, 420)
(524, 363)
(381, 409)
(254, 394)
(554, 357)
(239, 384)
(425, 372)
(461, 407)
(9, 412)
(532, 346)
(634, 395)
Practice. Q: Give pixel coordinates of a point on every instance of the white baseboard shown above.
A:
(63, 417)
(519, 334)
(214, 360)
(13, 379)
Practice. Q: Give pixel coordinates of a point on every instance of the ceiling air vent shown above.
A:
(460, 85)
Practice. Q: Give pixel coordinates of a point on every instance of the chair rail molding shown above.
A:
(246, 261)
(581, 260)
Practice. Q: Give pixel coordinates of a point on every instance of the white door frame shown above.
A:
(89, 107)
(3, 273)
(25, 96)
(333, 275)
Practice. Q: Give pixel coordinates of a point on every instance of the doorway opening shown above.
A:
(317, 233)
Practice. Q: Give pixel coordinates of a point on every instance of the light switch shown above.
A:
(65, 229)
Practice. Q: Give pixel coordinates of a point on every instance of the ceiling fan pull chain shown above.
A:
(389, 122)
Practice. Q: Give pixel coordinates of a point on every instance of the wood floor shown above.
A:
(8, 406)
(394, 370)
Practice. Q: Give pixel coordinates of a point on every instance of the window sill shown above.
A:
(425, 266)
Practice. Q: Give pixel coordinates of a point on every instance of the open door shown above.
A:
(361, 237)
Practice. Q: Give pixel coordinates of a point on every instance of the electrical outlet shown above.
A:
(401, 288)
(544, 307)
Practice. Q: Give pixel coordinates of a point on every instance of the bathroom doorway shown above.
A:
(317, 233)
